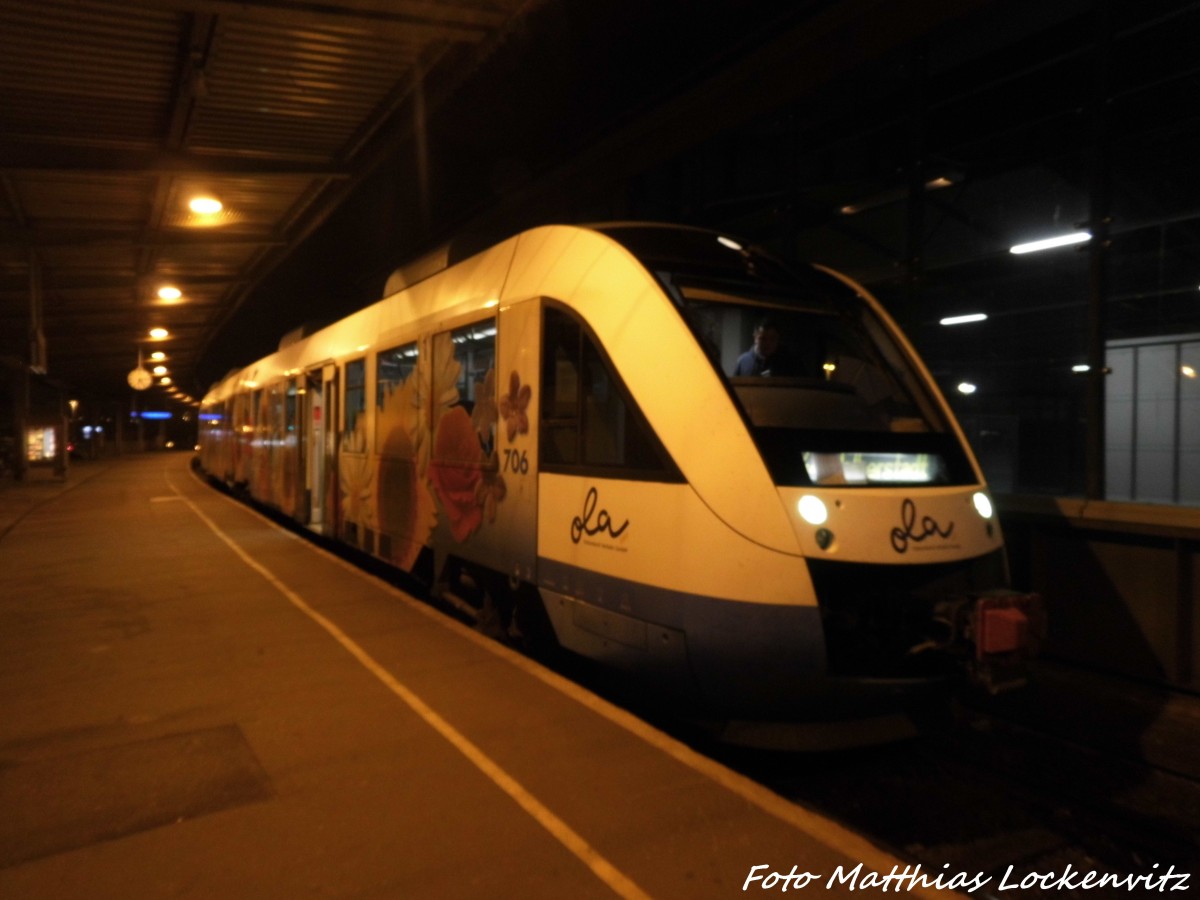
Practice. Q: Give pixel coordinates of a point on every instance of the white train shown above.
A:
(570, 434)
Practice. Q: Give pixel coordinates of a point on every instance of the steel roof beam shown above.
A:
(25, 157)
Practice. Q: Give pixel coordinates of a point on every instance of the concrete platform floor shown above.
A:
(199, 704)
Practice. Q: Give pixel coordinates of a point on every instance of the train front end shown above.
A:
(907, 577)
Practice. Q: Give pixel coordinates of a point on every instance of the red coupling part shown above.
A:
(1002, 630)
(1007, 624)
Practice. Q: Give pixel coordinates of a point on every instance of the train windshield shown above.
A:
(828, 394)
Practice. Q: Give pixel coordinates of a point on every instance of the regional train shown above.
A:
(658, 448)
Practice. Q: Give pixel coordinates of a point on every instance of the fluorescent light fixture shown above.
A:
(729, 242)
(966, 387)
(1062, 240)
(962, 320)
(1082, 367)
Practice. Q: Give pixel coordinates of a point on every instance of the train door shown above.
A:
(331, 506)
(483, 466)
(312, 442)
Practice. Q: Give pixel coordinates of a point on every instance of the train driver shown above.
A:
(767, 356)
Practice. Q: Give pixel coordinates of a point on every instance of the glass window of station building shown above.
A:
(1028, 213)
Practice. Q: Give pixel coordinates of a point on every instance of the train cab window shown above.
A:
(356, 392)
(830, 396)
(587, 419)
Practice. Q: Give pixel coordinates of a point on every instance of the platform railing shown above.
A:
(1121, 582)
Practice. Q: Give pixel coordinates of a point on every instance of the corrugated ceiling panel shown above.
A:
(291, 91)
(201, 259)
(115, 257)
(71, 70)
(120, 199)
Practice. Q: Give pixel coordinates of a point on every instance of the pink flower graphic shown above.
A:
(514, 404)
(457, 471)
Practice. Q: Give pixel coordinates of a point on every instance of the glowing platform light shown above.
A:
(1062, 240)
(963, 320)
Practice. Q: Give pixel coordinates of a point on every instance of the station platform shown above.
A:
(198, 703)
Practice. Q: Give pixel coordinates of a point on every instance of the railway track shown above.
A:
(989, 797)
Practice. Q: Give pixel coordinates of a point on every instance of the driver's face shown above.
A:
(766, 341)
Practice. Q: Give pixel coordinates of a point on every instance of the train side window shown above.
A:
(258, 414)
(243, 417)
(588, 420)
(474, 349)
(276, 422)
(393, 368)
(289, 411)
(356, 392)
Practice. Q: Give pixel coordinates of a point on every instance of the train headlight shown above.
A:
(812, 510)
(983, 505)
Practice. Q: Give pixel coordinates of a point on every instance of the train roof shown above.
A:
(421, 289)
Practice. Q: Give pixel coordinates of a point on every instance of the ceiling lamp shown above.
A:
(204, 205)
(1062, 240)
(169, 293)
(159, 334)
